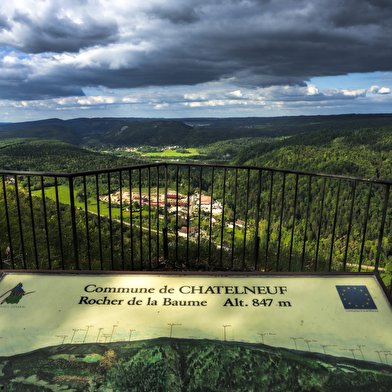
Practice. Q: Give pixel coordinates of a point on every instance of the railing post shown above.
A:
(257, 238)
(199, 221)
(45, 221)
(20, 224)
(334, 226)
(33, 223)
(165, 240)
(281, 221)
(11, 251)
(349, 227)
(382, 227)
(165, 244)
(293, 224)
(319, 225)
(73, 220)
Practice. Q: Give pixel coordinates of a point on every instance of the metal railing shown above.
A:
(154, 216)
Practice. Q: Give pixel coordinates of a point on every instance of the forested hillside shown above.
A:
(49, 132)
(54, 156)
(362, 153)
(148, 133)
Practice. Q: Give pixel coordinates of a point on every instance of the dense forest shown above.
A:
(364, 153)
(305, 220)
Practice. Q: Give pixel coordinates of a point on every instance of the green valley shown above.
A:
(357, 145)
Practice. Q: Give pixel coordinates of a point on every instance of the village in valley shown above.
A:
(179, 204)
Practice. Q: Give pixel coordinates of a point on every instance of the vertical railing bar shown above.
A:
(110, 223)
(122, 223)
(157, 215)
(73, 220)
(382, 227)
(59, 222)
(176, 212)
(20, 222)
(269, 221)
(334, 225)
(131, 217)
(8, 224)
(99, 221)
(365, 226)
(293, 224)
(246, 220)
(257, 239)
(210, 234)
(223, 215)
(281, 221)
(140, 219)
(46, 222)
(87, 224)
(234, 218)
(188, 217)
(199, 233)
(33, 223)
(1, 253)
(306, 224)
(165, 239)
(319, 226)
(149, 218)
(349, 226)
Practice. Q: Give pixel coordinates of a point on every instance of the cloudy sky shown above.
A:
(194, 58)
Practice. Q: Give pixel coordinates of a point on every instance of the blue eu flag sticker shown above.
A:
(356, 297)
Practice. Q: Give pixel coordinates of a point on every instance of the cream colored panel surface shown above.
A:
(307, 313)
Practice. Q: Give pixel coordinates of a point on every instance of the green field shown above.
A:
(64, 198)
(173, 153)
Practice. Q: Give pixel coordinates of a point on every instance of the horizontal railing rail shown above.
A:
(192, 216)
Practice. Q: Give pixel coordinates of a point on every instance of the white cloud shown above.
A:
(384, 90)
(235, 94)
(354, 93)
(312, 89)
(161, 106)
(374, 89)
(379, 90)
(209, 99)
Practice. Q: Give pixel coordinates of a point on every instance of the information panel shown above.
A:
(340, 315)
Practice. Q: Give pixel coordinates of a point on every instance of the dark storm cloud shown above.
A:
(18, 83)
(37, 90)
(183, 14)
(55, 34)
(356, 13)
(248, 43)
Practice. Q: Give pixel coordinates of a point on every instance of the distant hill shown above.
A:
(187, 132)
(290, 125)
(165, 364)
(78, 124)
(154, 133)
